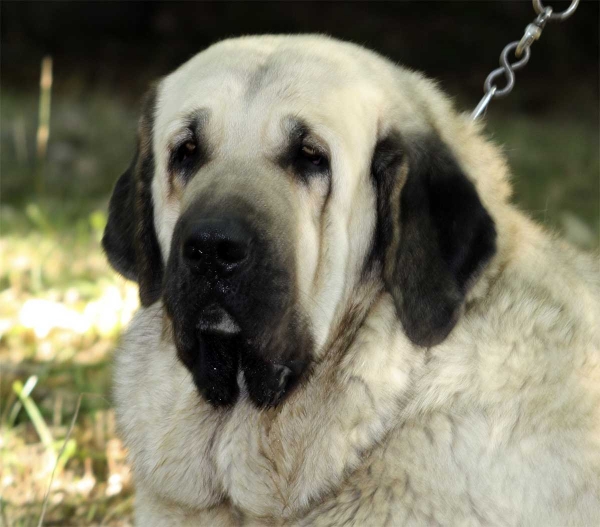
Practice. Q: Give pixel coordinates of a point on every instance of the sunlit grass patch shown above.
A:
(61, 311)
(91, 482)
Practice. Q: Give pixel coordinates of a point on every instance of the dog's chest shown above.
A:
(273, 463)
(437, 470)
(345, 454)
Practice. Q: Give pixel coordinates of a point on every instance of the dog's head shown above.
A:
(274, 176)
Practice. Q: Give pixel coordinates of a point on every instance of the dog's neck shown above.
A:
(277, 462)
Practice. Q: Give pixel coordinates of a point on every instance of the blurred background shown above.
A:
(72, 75)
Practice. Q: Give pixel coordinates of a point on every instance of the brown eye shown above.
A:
(187, 157)
(312, 155)
(186, 150)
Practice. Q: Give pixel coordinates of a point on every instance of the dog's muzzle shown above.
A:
(229, 294)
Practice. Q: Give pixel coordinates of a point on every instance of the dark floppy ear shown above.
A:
(129, 238)
(442, 236)
(118, 240)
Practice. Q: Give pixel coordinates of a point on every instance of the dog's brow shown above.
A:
(298, 132)
(197, 121)
(296, 129)
(193, 122)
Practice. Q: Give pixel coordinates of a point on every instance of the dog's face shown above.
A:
(274, 177)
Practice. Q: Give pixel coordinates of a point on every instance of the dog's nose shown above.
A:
(220, 244)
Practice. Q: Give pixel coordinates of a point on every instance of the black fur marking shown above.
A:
(148, 254)
(446, 237)
(129, 239)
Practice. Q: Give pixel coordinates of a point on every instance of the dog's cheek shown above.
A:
(167, 210)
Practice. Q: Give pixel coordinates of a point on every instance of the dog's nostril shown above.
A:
(193, 251)
(222, 245)
(230, 252)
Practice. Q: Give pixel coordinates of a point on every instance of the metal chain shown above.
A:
(521, 49)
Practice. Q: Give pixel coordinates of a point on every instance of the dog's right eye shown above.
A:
(185, 151)
(186, 158)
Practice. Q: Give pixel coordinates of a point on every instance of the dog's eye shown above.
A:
(186, 151)
(186, 158)
(311, 154)
(306, 156)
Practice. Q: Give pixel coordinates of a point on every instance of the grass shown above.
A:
(556, 172)
(62, 308)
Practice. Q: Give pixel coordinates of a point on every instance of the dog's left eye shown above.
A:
(311, 161)
(312, 154)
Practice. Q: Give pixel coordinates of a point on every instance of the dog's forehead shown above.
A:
(243, 67)
(251, 79)
(249, 87)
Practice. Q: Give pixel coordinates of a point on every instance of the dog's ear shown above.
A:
(129, 238)
(435, 238)
(118, 240)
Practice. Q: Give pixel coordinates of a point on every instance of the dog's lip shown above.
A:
(215, 319)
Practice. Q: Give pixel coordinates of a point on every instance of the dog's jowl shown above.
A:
(344, 321)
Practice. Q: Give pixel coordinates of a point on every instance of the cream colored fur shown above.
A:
(498, 425)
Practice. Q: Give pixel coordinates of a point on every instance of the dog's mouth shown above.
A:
(215, 320)
(225, 361)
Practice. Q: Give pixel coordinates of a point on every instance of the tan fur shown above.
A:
(498, 425)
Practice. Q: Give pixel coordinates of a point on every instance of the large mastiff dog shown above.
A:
(344, 320)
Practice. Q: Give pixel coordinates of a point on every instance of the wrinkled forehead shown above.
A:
(242, 71)
(248, 85)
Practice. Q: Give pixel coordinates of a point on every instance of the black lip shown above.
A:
(269, 382)
(215, 356)
(216, 367)
(220, 358)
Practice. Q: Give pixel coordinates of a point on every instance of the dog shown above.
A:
(344, 321)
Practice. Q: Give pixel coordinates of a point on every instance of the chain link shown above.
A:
(507, 69)
(560, 17)
(521, 48)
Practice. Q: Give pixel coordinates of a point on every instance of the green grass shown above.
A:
(51, 261)
(556, 172)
